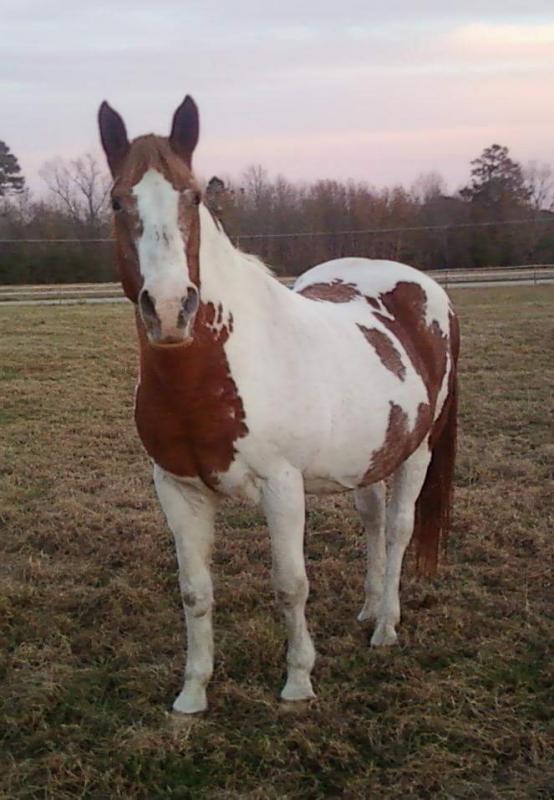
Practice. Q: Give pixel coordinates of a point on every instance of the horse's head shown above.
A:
(155, 200)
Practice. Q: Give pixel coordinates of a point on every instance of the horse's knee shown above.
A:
(291, 590)
(198, 601)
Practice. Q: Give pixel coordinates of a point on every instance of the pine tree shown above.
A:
(11, 179)
(496, 180)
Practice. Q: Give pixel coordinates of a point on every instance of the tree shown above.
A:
(81, 188)
(539, 179)
(496, 180)
(428, 186)
(214, 195)
(497, 194)
(11, 179)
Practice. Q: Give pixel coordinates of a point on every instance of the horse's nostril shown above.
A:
(147, 306)
(189, 304)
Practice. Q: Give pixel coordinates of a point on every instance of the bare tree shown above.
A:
(256, 183)
(428, 186)
(80, 188)
(539, 179)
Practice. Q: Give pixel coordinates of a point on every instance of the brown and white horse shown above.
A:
(250, 390)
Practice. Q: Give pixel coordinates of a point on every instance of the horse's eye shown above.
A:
(116, 204)
(196, 198)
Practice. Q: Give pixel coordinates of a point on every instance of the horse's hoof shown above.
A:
(294, 692)
(384, 636)
(294, 707)
(190, 702)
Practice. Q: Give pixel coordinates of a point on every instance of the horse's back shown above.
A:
(345, 280)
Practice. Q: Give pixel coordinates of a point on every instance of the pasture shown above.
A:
(90, 617)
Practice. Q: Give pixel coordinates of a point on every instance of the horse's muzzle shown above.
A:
(168, 322)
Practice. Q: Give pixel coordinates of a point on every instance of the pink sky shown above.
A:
(325, 90)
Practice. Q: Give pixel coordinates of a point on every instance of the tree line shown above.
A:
(503, 216)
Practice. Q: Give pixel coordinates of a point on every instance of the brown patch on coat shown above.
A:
(386, 350)
(128, 229)
(400, 442)
(189, 223)
(152, 152)
(425, 345)
(188, 411)
(454, 337)
(336, 292)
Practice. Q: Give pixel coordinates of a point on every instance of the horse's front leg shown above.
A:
(190, 514)
(283, 502)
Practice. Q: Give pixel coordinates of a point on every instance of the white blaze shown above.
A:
(161, 246)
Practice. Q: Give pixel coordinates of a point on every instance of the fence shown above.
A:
(111, 292)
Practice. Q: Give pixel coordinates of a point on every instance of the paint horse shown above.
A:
(250, 390)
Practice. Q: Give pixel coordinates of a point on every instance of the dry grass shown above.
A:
(91, 630)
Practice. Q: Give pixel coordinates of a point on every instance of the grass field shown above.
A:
(90, 620)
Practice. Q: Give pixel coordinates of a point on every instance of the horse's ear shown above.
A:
(113, 136)
(185, 129)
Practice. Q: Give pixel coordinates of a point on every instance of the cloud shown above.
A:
(504, 37)
(285, 84)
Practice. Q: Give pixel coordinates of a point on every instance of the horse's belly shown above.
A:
(244, 482)
(325, 486)
(334, 451)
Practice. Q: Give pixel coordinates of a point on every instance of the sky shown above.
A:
(373, 91)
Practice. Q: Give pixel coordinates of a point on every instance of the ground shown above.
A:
(91, 626)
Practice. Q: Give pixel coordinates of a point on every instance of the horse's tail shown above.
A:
(433, 508)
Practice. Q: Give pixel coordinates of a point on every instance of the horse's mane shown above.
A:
(254, 260)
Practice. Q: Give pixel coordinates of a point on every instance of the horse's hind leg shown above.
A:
(371, 504)
(283, 502)
(407, 483)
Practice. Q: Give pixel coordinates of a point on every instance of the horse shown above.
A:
(248, 389)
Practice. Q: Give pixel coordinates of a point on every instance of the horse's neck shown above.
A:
(233, 279)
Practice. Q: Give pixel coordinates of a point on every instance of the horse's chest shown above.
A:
(189, 421)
